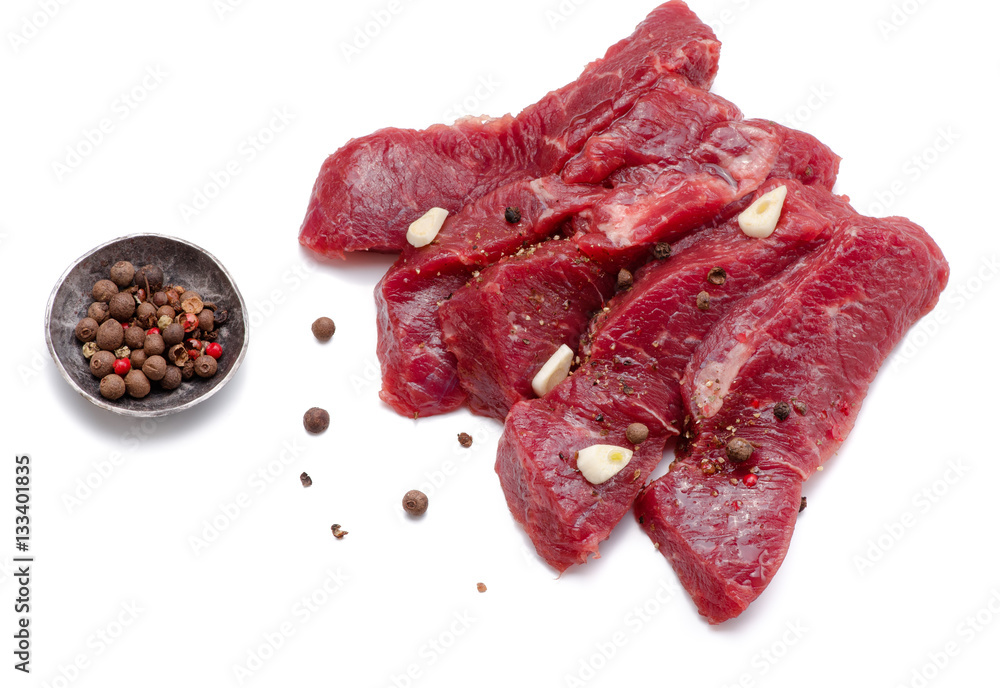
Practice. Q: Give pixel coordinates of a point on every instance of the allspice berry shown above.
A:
(150, 278)
(146, 314)
(205, 366)
(637, 433)
(136, 384)
(159, 299)
(135, 337)
(154, 345)
(782, 410)
(178, 355)
(171, 378)
(102, 363)
(138, 358)
(103, 290)
(122, 307)
(110, 335)
(112, 387)
(465, 439)
(172, 334)
(122, 273)
(86, 330)
(155, 368)
(187, 372)
(415, 502)
(206, 320)
(315, 419)
(738, 450)
(323, 329)
(99, 311)
(165, 311)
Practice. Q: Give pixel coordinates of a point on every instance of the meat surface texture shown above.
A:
(813, 338)
(506, 323)
(369, 191)
(634, 358)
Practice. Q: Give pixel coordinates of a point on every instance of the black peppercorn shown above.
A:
(121, 307)
(465, 439)
(171, 378)
(323, 329)
(415, 502)
(637, 433)
(782, 410)
(112, 387)
(624, 279)
(155, 368)
(221, 317)
(86, 330)
(150, 278)
(122, 273)
(661, 250)
(305, 480)
(102, 363)
(738, 450)
(154, 345)
(99, 311)
(103, 290)
(802, 505)
(205, 366)
(187, 372)
(315, 419)
(512, 215)
(136, 384)
(110, 335)
(172, 334)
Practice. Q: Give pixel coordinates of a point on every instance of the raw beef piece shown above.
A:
(506, 323)
(814, 337)
(635, 355)
(369, 191)
(733, 159)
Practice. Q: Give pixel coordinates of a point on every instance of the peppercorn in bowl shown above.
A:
(177, 312)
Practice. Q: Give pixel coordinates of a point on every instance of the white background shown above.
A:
(407, 589)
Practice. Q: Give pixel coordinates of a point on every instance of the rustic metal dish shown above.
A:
(182, 263)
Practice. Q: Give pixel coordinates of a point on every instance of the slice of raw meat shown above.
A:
(506, 323)
(635, 355)
(813, 338)
(369, 191)
(730, 160)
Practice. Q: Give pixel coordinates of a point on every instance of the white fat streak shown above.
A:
(554, 371)
(712, 382)
(601, 462)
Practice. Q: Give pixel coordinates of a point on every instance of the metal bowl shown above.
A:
(182, 263)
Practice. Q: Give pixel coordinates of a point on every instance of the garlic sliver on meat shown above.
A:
(601, 462)
(423, 230)
(760, 219)
(554, 371)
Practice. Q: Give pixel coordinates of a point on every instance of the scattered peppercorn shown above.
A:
(213, 350)
(800, 407)
(122, 366)
(159, 299)
(89, 349)
(337, 532)
(802, 505)
(465, 439)
(123, 352)
(205, 366)
(86, 330)
(121, 307)
(704, 301)
(165, 312)
(717, 276)
(192, 303)
(415, 502)
(661, 250)
(481, 587)
(122, 273)
(323, 328)
(206, 320)
(637, 433)
(221, 317)
(624, 279)
(145, 315)
(154, 345)
(512, 215)
(316, 420)
(155, 368)
(187, 372)
(172, 334)
(138, 359)
(306, 480)
(782, 410)
(102, 363)
(136, 384)
(178, 355)
(171, 378)
(738, 450)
